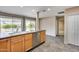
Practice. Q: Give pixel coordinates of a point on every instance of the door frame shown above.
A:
(57, 24)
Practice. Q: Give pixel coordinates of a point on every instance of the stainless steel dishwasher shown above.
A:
(36, 39)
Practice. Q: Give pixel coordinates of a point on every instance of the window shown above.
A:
(17, 25)
(30, 25)
(9, 24)
(5, 24)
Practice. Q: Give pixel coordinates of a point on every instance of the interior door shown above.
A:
(60, 25)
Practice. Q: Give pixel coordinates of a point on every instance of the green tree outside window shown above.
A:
(30, 26)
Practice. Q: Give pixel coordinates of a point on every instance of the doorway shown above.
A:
(60, 25)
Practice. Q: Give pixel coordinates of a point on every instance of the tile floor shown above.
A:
(55, 44)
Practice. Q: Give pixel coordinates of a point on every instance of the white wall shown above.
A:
(49, 24)
(72, 29)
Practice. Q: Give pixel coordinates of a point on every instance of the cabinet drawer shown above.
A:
(17, 39)
(28, 36)
(17, 47)
(17, 44)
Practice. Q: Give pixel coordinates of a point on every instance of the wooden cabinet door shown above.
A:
(42, 36)
(28, 42)
(5, 45)
(17, 44)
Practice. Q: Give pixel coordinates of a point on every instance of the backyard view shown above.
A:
(12, 25)
(30, 25)
(9, 25)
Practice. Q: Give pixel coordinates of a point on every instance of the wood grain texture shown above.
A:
(5, 45)
(28, 42)
(42, 36)
(17, 44)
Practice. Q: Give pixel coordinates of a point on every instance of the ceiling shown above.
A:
(27, 10)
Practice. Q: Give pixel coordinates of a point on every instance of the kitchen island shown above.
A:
(21, 41)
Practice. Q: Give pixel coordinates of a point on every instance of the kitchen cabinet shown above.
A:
(5, 45)
(21, 42)
(28, 42)
(17, 44)
(42, 36)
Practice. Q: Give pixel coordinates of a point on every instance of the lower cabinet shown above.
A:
(17, 44)
(42, 36)
(21, 43)
(5, 45)
(28, 42)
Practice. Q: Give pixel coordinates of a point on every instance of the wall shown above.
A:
(73, 10)
(71, 35)
(49, 24)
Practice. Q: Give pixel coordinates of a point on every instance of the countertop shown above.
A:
(4, 35)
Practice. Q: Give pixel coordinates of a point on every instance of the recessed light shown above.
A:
(48, 9)
(21, 6)
(33, 10)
